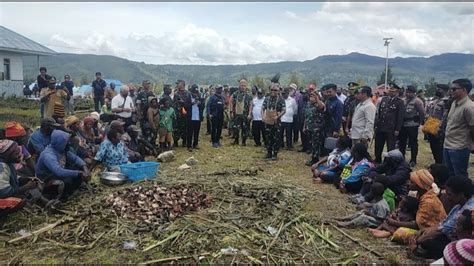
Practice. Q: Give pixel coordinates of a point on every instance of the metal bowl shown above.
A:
(113, 178)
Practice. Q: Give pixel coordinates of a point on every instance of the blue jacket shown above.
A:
(215, 106)
(38, 142)
(53, 159)
(334, 109)
(359, 170)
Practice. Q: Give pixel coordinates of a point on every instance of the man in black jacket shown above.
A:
(215, 109)
(388, 121)
(98, 91)
(197, 110)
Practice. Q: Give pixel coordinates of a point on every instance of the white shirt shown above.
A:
(363, 120)
(342, 97)
(257, 109)
(291, 109)
(118, 102)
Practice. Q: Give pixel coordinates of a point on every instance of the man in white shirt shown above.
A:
(122, 106)
(362, 126)
(287, 120)
(255, 114)
(340, 96)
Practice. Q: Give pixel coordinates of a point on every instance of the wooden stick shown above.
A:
(173, 235)
(39, 231)
(358, 242)
(175, 258)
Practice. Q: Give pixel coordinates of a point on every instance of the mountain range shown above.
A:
(338, 69)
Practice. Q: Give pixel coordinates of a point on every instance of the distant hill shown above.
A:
(338, 69)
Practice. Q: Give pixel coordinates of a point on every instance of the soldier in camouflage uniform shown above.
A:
(314, 125)
(273, 106)
(239, 111)
(182, 100)
(349, 107)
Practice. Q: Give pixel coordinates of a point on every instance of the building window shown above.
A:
(6, 69)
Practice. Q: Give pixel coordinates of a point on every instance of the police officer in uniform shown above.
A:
(314, 125)
(182, 100)
(239, 110)
(349, 106)
(273, 109)
(388, 121)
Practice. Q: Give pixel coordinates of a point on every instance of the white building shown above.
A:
(13, 47)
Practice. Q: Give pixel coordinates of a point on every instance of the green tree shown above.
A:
(84, 80)
(389, 77)
(259, 82)
(430, 87)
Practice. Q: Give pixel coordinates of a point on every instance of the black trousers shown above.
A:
(208, 125)
(297, 129)
(436, 145)
(98, 103)
(193, 138)
(286, 129)
(258, 132)
(216, 128)
(380, 139)
(410, 134)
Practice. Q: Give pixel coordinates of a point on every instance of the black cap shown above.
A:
(393, 85)
(444, 87)
(179, 81)
(365, 89)
(194, 87)
(352, 84)
(49, 122)
(411, 88)
(329, 86)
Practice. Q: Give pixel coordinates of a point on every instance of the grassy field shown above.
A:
(95, 234)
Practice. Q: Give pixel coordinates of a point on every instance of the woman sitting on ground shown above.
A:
(430, 210)
(329, 167)
(112, 152)
(359, 166)
(14, 131)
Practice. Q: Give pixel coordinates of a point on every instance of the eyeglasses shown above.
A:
(274, 90)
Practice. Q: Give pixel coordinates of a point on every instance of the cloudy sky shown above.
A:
(243, 33)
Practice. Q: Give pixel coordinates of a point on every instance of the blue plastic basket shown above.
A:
(140, 171)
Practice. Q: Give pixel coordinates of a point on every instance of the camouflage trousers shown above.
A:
(272, 133)
(316, 138)
(240, 126)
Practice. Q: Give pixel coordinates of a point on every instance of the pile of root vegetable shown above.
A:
(156, 204)
(251, 220)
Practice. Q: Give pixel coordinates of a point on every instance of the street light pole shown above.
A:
(387, 42)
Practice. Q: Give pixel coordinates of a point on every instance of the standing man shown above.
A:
(182, 99)
(388, 121)
(42, 82)
(98, 91)
(287, 120)
(68, 85)
(414, 115)
(436, 110)
(142, 101)
(349, 105)
(362, 129)
(51, 96)
(239, 111)
(255, 114)
(341, 96)
(305, 142)
(215, 109)
(333, 113)
(460, 129)
(197, 114)
(297, 125)
(314, 125)
(123, 107)
(273, 108)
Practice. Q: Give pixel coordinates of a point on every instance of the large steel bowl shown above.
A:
(113, 178)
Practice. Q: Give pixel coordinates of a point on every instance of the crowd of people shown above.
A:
(425, 209)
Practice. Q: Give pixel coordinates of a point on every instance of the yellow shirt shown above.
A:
(60, 96)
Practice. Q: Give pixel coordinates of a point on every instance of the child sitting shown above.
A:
(373, 214)
(388, 194)
(329, 167)
(106, 114)
(406, 212)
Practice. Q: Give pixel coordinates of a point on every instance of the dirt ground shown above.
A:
(319, 203)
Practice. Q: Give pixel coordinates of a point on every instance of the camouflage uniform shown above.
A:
(272, 132)
(183, 120)
(314, 120)
(240, 123)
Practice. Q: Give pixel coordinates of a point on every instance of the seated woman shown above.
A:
(88, 133)
(430, 242)
(97, 127)
(56, 162)
(430, 209)
(440, 173)
(14, 131)
(73, 125)
(358, 166)
(112, 152)
(329, 167)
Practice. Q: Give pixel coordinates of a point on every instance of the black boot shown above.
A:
(269, 155)
(274, 157)
(243, 142)
(312, 161)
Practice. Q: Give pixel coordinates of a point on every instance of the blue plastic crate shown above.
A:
(140, 171)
